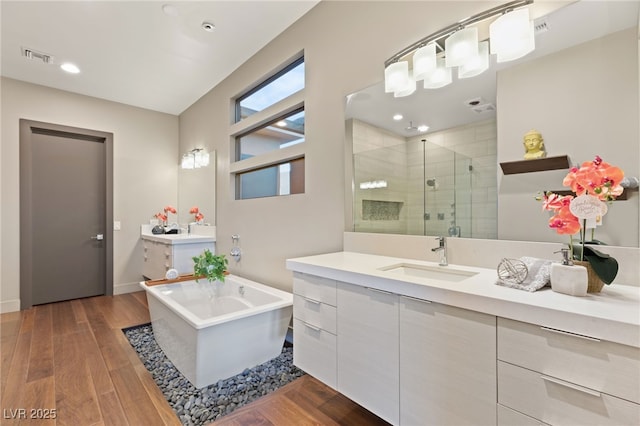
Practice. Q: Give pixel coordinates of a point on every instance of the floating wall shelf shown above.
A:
(536, 165)
(621, 197)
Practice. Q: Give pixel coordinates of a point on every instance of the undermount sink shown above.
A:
(442, 273)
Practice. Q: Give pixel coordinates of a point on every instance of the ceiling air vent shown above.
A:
(483, 108)
(540, 26)
(34, 54)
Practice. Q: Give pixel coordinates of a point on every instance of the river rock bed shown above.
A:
(200, 406)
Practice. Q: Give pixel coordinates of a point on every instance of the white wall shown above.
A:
(145, 172)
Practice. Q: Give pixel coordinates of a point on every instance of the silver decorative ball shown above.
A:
(512, 271)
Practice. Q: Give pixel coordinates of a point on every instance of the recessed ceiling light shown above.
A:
(208, 26)
(70, 68)
(398, 117)
(423, 128)
(281, 123)
(170, 10)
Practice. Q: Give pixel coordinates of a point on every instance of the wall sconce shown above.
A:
(511, 36)
(194, 159)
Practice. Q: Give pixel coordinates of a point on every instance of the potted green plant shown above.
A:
(211, 266)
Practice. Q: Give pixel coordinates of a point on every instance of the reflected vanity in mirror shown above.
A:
(579, 88)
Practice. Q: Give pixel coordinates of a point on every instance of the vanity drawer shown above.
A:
(315, 313)
(315, 288)
(314, 351)
(558, 402)
(509, 417)
(608, 367)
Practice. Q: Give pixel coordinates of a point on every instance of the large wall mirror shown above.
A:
(579, 88)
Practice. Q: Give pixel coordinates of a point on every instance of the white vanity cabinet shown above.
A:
(161, 253)
(471, 352)
(558, 377)
(368, 342)
(314, 325)
(447, 365)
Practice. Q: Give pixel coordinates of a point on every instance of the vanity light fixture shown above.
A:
(195, 159)
(439, 77)
(461, 46)
(424, 61)
(408, 89)
(396, 77)
(511, 37)
(478, 64)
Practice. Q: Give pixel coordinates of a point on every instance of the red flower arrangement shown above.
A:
(198, 216)
(163, 216)
(594, 182)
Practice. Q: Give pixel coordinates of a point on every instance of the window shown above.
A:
(269, 150)
(283, 84)
(281, 133)
(282, 179)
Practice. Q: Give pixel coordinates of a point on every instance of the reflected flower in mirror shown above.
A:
(197, 214)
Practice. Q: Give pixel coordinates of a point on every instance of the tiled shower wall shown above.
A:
(379, 154)
(462, 161)
(473, 191)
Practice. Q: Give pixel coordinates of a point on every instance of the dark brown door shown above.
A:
(67, 203)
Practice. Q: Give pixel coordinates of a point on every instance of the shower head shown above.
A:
(431, 182)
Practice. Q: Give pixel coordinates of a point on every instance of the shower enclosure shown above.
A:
(416, 188)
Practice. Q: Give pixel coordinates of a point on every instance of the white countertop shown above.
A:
(178, 238)
(613, 314)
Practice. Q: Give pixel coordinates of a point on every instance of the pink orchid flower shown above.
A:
(552, 201)
(596, 178)
(564, 222)
(170, 209)
(194, 210)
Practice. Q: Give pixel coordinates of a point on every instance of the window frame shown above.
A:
(272, 122)
(290, 105)
(238, 109)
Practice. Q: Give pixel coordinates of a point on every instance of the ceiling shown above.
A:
(138, 52)
(567, 24)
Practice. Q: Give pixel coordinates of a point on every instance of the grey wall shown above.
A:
(145, 171)
(584, 106)
(345, 46)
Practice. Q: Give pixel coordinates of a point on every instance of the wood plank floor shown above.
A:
(70, 360)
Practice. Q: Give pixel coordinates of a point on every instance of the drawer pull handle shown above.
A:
(315, 302)
(416, 299)
(378, 290)
(312, 327)
(567, 333)
(570, 385)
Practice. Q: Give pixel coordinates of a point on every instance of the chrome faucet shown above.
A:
(442, 248)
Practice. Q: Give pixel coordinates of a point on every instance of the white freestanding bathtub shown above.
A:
(212, 331)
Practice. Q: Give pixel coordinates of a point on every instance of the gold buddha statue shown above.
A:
(534, 145)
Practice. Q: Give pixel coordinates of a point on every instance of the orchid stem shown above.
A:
(583, 235)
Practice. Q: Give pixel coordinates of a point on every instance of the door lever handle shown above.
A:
(98, 237)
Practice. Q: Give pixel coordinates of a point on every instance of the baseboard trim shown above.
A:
(126, 288)
(9, 306)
